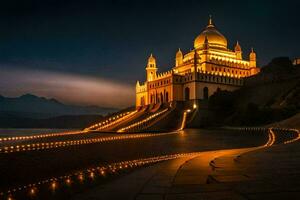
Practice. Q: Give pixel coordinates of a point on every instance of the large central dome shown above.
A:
(214, 37)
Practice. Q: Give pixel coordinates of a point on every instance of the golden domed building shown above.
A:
(209, 67)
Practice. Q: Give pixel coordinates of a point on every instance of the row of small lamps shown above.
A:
(91, 173)
(51, 145)
(43, 135)
(109, 121)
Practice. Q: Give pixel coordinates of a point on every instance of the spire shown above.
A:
(179, 53)
(210, 22)
(151, 57)
(237, 47)
(178, 58)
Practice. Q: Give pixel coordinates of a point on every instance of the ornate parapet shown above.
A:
(219, 78)
(164, 74)
(203, 76)
(140, 87)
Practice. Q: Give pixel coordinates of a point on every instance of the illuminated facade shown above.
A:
(209, 67)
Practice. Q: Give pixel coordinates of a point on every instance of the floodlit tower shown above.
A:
(151, 68)
(252, 58)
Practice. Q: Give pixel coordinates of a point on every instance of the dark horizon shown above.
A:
(47, 47)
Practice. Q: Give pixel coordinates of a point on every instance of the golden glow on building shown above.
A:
(209, 67)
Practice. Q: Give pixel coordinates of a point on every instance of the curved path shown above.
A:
(223, 174)
(186, 169)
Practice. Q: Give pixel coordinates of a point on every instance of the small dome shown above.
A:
(252, 54)
(214, 37)
(179, 53)
(151, 59)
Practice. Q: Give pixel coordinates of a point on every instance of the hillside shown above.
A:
(292, 122)
(272, 95)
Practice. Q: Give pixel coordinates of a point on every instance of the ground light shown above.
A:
(195, 106)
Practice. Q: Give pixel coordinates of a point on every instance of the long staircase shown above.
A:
(145, 123)
(151, 118)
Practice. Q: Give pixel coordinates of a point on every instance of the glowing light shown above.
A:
(92, 175)
(53, 185)
(32, 191)
(80, 177)
(195, 106)
(183, 121)
(68, 181)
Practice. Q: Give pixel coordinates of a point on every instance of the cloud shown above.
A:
(68, 88)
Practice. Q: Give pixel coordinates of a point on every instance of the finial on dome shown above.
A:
(252, 50)
(210, 21)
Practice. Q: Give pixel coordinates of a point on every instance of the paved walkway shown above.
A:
(174, 179)
(237, 174)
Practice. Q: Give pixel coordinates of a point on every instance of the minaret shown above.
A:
(151, 68)
(252, 58)
(179, 58)
(238, 51)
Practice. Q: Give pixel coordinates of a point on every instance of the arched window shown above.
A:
(187, 94)
(161, 98)
(205, 93)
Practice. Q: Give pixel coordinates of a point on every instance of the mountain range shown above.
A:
(31, 106)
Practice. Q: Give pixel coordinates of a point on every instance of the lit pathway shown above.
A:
(40, 145)
(207, 175)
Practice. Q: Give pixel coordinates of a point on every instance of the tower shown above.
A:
(151, 68)
(238, 51)
(252, 58)
(179, 58)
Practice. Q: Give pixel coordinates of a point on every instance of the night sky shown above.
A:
(48, 47)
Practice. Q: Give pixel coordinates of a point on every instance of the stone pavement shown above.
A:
(174, 179)
(247, 173)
